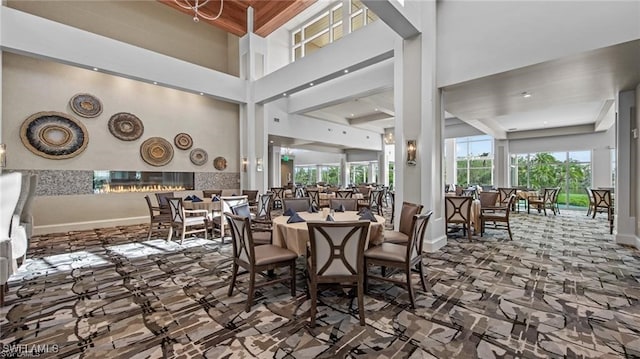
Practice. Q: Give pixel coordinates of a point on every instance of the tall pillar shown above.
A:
(501, 163)
(451, 165)
(371, 172)
(253, 134)
(345, 172)
(626, 171)
(383, 168)
(601, 167)
(419, 117)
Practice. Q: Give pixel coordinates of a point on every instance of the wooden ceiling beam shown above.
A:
(270, 15)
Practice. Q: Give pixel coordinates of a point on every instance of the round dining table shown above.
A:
(295, 236)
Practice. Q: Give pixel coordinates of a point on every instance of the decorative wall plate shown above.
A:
(126, 126)
(54, 135)
(183, 141)
(220, 163)
(85, 105)
(156, 151)
(198, 156)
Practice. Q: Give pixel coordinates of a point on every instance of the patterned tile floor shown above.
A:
(560, 289)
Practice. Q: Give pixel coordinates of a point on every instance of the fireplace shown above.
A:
(141, 181)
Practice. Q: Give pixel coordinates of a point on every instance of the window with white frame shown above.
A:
(329, 26)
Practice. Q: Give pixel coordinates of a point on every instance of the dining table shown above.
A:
(295, 236)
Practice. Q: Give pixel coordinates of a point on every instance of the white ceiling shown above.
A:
(572, 91)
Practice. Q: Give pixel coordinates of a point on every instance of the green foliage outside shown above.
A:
(543, 170)
(359, 174)
(305, 175)
(331, 175)
(391, 173)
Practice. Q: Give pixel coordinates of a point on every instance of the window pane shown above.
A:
(316, 43)
(357, 22)
(337, 14)
(337, 31)
(297, 37)
(356, 5)
(480, 176)
(461, 150)
(297, 53)
(480, 148)
(317, 26)
(371, 16)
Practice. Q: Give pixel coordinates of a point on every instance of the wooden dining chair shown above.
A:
(458, 211)
(335, 257)
(344, 193)
(209, 193)
(297, 204)
(314, 196)
(278, 196)
(157, 220)
(186, 221)
(543, 202)
(407, 212)
(349, 204)
(504, 194)
(375, 201)
(268, 257)
(261, 230)
(401, 257)
(498, 216)
(264, 206)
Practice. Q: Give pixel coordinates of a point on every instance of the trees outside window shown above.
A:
(306, 175)
(474, 160)
(330, 175)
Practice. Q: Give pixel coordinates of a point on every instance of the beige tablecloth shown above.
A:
(295, 236)
(207, 203)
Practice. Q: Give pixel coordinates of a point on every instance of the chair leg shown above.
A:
(361, 301)
(423, 277)
(170, 234)
(150, 230)
(252, 284)
(509, 229)
(234, 274)
(410, 289)
(182, 235)
(3, 287)
(292, 272)
(314, 299)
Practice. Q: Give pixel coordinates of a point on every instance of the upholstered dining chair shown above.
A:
(11, 233)
(401, 257)
(499, 216)
(264, 206)
(335, 257)
(349, 204)
(488, 199)
(278, 196)
(314, 196)
(458, 211)
(261, 230)
(252, 197)
(407, 212)
(375, 200)
(218, 221)
(157, 220)
(504, 194)
(591, 201)
(163, 201)
(544, 202)
(209, 193)
(296, 204)
(26, 215)
(268, 257)
(186, 221)
(601, 201)
(344, 193)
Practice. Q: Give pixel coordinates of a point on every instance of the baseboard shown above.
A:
(81, 226)
(434, 245)
(628, 239)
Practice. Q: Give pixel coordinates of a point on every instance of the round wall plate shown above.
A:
(220, 163)
(198, 156)
(183, 141)
(156, 151)
(85, 105)
(126, 126)
(54, 135)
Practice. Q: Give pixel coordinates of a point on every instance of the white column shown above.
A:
(318, 173)
(253, 136)
(626, 171)
(501, 163)
(601, 167)
(371, 173)
(383, 167)
(419, 116)
(451, 164)
(344, 172)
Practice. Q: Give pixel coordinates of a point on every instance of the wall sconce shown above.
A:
(245, 163)
(3, 155)
(411, 152)
(259, 164)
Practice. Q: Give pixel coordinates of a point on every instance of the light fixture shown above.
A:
(311, 84)
(245, 163)
(259, 164)
(196, 8)
(388, 136)
(201, 93)
(411, 152)
(284, 94)
(346, 71)
(95, 69)
(526, 94)
(3, 155)
(155, 82)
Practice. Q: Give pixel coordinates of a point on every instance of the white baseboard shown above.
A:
(81, 226)
(628, 239)
(434, 245)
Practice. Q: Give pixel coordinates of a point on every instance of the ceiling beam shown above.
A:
(490, 127)
(369, 118)
(607, 116)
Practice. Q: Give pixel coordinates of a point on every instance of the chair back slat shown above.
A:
(243, 247)
(458, 209)
(349, 204)
(407, 212)
(344, 193)
(264, 206)
(176, 209)
(314, 196)
(337, 247)
(418, 229)
(297, 204)
(504, 194)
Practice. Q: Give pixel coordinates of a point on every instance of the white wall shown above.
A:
(32, 85)
(304, 157)
(278, 50)
(637, 159)
(479, 38)
(584, 142)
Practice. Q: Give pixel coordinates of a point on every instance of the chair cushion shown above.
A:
(189, 221)
(388, 252)
(260, 238)
(395, 237)
(498, 216)
(269, 254)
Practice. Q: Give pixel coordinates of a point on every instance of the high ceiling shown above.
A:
(268, 15)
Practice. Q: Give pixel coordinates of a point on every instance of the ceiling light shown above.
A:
(346, 71)
(375, 109)
(352, 115)
(201, 94)
(526, 94)
(512, 129)
(95, 69)
(195, 6)
(155, 83)
(311, 84)
(271, 141)
(284, 94)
